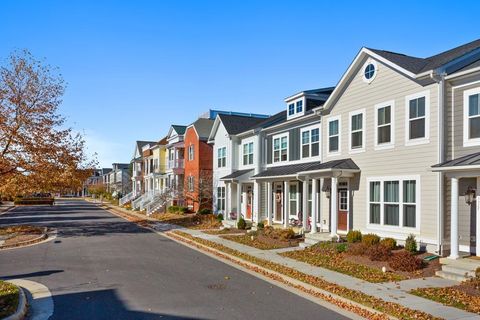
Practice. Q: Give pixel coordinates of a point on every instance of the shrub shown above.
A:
(354, 236)
(477, 273)
(286, 234)
(183, 209)
(389, 243)
(411, 244)
(341, 247)
(205, 211)
(220, 217)
(405, 261)
(260, 225)
(379, 252)
(172, 209)
(370, 239)
(241, 224)
(357, 249)
(33, 201)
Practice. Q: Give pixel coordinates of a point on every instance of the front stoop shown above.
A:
(458, 270)
(314, 238)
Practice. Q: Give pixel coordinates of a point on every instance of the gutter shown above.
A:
(439, 77)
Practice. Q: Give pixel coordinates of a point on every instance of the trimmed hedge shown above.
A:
(33, 201)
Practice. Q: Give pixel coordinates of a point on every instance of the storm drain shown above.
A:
(216, 286)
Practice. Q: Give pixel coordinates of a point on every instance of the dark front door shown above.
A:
(342, 209)
(278, 202)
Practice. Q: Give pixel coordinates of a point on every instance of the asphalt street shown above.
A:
(103, 267)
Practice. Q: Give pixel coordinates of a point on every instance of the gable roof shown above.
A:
(179, 129)
(236, 124)
(203, 127)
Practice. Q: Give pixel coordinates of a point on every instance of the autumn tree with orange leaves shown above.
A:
(37, 152)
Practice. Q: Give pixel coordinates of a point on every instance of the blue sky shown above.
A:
(135, 67)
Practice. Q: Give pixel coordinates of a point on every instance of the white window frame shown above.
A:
(295, 113)
(426, 138)
(467, 142)
(331, 119)
(390, 144)
(223, 157)
(280, 136)
(418, 210)
(350, 116)
(296, 200)
(223, 199)
(374, 63)
(191, 152)
(309, 130)
(247, 143)
(191, 181)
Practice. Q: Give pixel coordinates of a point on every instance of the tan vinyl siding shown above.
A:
(399, 161)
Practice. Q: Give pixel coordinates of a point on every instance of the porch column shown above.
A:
(239, 200)
(333, 207)
(256, 202)
(454, 219)
(477, 234)
(305, 204)
(269, 203)
(313, 228)
(286, 204)
(228, 200)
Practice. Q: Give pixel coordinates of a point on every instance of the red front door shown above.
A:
(249, 203)
(278, 202)
(342, 209)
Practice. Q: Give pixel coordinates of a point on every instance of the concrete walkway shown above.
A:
(396, 292)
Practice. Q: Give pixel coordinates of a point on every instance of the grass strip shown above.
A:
(9, 295)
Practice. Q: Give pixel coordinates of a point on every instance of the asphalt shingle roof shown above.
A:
(236, 174)
(342, 164)
(179, 129)
(468, 160)
(420, 65)
(203, 127)
(238, 124)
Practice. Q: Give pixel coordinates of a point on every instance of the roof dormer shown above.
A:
(295, 107)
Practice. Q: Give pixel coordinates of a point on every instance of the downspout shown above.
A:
(439, 78)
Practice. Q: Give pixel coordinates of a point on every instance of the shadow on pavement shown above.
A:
(31, 274)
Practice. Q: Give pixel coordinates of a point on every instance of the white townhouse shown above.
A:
(412, 127)
(228, 168)
(175, 161)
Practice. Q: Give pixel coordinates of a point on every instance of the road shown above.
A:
(103, 267)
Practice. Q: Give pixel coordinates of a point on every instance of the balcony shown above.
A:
(177, 166)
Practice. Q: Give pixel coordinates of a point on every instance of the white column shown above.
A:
(477, 235)
(256, 202)
(454, 219)
(228, 201)
(333, 207)
(286, 203)
(239, 200)
(305, 204)
(269, 204)
(315, 206)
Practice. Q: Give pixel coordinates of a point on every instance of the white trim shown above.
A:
(296, 114)
(280, 136)
(339, 135)
(309, 129)
(217, 157)
(242, 154)
(426, 138)
(369, 62)
(297, 199)
(391, 144)
(467, 142)
(400, 228)
(350, 115)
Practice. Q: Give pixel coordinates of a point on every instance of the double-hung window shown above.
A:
(417, 115)
(334, 135)
(191, 152)
(299, 106)
(280, 149)
(471, 119)
(310, 141)
(191, 183)
(384, 120)
(393, 202)
(248, 153)
(357, 129)
(291, 109)
(222, 157)
(220, 199)
(292, 197)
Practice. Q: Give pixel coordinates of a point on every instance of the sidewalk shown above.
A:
(5, 206)
(396, 292)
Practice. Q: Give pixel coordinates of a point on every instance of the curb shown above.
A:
(38, 239)
(22, 305)
(7, 210)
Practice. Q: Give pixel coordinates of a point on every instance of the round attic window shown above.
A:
(369, 71)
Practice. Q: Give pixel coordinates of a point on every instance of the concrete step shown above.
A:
(304, 245)
(460, 270)
(465, 263)
(450, 276)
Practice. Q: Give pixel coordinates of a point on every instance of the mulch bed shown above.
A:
(190, 220)
(9, 296)
(260, 241)
(225, 231)
(13, 236)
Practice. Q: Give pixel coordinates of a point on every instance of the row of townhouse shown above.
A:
(393, 149)
(114, 180)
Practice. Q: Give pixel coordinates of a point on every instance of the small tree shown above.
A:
(202, 191)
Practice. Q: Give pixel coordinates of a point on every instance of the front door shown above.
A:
(278, 202)
(342, 209)
(249, 203)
